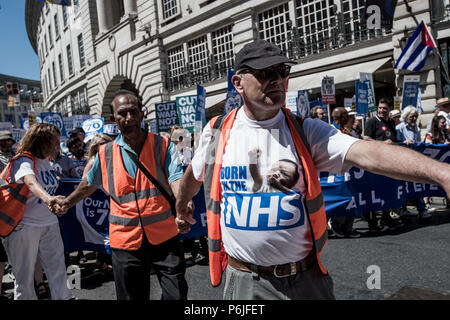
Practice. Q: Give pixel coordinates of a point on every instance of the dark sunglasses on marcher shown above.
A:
(264, 74)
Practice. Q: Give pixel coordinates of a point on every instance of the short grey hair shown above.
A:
(407, 111)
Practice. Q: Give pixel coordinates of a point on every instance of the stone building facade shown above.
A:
(163, 48)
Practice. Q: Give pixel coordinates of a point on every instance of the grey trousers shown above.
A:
(24, 245)
(308, 285)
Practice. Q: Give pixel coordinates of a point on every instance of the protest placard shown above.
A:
(54, 118)
(186, 106)
(362, 105)
(328, 90)
(166, 116)
(410, 90)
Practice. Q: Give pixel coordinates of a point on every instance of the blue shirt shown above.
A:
(406, 132)
(172, 164)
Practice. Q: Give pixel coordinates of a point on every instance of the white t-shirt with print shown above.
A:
(36, 211)
(269, 227)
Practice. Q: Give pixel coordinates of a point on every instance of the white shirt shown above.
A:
(269, 227)
(36, 211)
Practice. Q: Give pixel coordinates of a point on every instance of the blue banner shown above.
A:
(358, 191)
(85, 226)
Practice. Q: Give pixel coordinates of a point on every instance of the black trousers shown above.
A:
(132, 270)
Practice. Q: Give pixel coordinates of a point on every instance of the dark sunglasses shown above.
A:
(266, 74)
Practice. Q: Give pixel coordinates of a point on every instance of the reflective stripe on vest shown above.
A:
(314, 203)
(137, 206)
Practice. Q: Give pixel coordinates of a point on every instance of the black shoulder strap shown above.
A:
(298, 124)
(169, 197)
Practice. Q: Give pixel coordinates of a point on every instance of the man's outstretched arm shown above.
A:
(82, 191)
(398, 162)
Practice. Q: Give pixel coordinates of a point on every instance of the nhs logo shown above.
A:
(263, 211)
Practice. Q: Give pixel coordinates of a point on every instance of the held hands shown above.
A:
(58, 205)
(184, 218)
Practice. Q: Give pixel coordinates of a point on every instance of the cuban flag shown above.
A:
(415, 53)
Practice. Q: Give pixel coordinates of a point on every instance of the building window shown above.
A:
(274, 25)
(81, 50)
(198, 58)
(169, 8)
(176, 66)
(209, 57)
(75, 104)
(49, 78)
(65, 17)
(84, 107)
(50, 38)
(61, 67)
(316, 26)
(45, 44)
(55, 18)
(76, 4)
(223, 50)
(55, 81)
(69, 59)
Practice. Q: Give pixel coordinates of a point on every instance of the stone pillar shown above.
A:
(104, 16)
(130, 7)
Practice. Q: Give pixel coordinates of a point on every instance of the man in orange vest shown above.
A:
(270, 241)
(142, 228)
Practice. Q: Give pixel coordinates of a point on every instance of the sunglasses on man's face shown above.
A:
(266, 74)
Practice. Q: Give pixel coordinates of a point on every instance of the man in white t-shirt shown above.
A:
(271, 241)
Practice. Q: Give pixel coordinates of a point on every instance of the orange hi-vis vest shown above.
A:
(314, 203)
(13, 197)
(136, 205)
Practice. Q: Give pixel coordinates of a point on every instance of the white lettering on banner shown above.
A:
(375, 200)
(445, 156)
(263, 211)
(347, 176)
(418, 187)
(399, 192)
(358, 173)
(361, 202)
(96, 203)
(434, 187)
(433, 153)
(203, 219)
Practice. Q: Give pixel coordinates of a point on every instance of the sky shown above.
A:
(17, 57)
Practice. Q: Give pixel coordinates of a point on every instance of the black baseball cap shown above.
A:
(260, 54)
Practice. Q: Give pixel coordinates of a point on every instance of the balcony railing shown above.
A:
(344, 30)
(191, 74)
